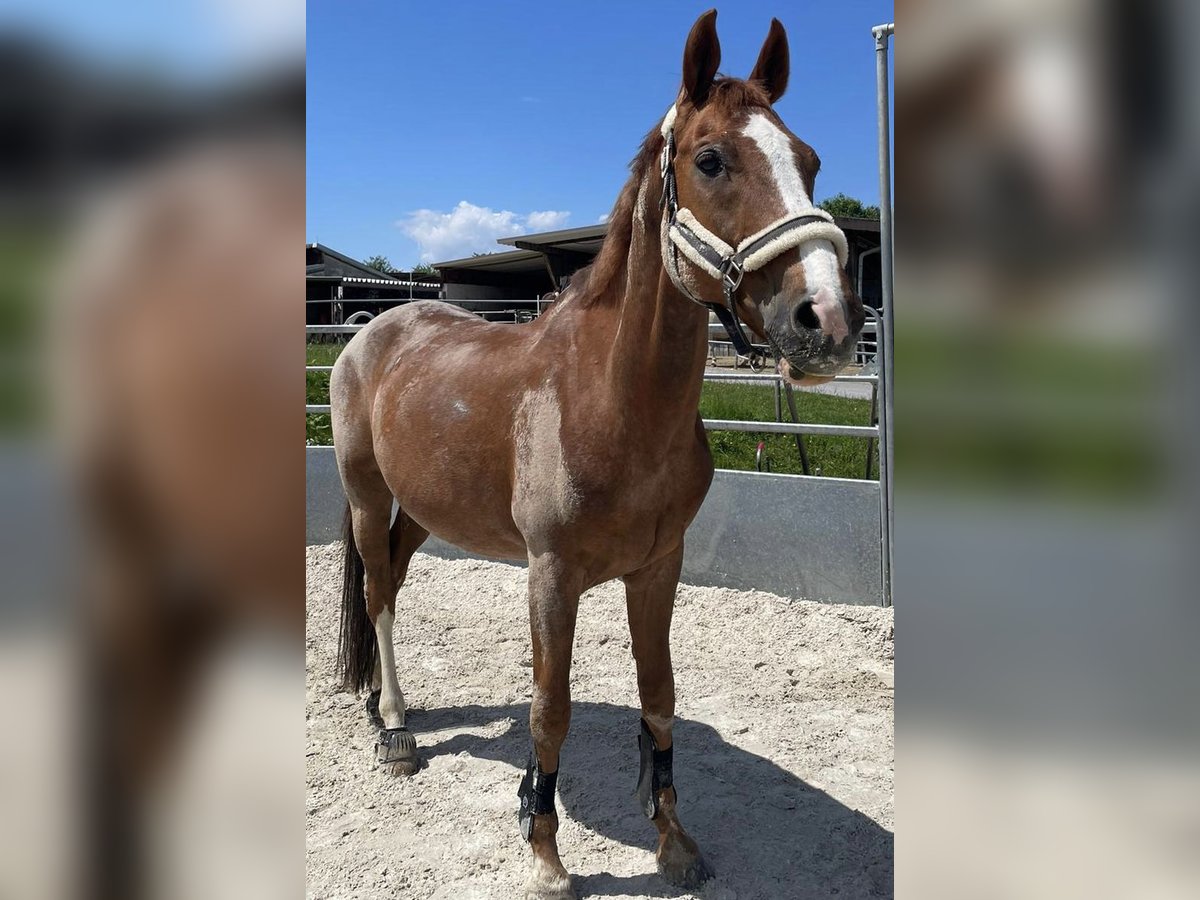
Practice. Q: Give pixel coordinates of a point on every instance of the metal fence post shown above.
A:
(882, 35)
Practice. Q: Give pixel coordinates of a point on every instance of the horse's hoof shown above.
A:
(550, 887)
(685, 871)
(373, 710)
(402, 769)
(396, 752)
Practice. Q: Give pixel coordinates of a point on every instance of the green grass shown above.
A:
(841, 457)
(316, 390)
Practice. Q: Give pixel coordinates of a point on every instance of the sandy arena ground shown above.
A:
(783, 745)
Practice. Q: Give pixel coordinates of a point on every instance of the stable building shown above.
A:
(512, 282)
(340, 290)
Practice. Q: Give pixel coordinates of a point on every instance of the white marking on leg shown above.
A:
(391, 700)
(818, 257)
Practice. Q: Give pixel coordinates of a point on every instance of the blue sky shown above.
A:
(434, 128)
(202, 40)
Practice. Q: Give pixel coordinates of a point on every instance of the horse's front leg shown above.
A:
(650, 598)
(553, 605)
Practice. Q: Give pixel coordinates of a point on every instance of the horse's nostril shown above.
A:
(806, 316)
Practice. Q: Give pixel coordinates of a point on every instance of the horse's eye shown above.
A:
(710, 163)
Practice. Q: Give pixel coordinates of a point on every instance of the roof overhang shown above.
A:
(587, 239)
(570, 248)
(504, 261)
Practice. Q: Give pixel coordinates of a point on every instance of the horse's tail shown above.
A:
(356, 642)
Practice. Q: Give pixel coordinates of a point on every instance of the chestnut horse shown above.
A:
(574, 441)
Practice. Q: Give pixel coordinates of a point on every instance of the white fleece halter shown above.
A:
(686, 235)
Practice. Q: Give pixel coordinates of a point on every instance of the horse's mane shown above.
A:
(599, 282)
(592, 283)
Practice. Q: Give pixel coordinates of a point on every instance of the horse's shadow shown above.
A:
(757, 824)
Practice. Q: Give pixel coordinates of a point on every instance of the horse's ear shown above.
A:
(774, 62)
(701, 56)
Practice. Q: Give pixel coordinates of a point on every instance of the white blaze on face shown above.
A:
(818, 257)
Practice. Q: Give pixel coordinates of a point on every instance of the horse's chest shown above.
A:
(577, 484)
(609, 502)
(645, 513)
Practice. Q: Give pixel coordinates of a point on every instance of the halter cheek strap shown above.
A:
(684, 234)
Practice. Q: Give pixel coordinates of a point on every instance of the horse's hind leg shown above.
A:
(650, 598)
(367, 639)
(366, 652)
(405, 537)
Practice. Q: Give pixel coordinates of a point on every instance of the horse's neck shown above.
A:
(660, 343)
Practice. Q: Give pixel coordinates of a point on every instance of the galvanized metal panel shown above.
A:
(798, 536)
(324, 499)
(795, 535)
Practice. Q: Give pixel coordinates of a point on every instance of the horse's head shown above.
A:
(746, 228)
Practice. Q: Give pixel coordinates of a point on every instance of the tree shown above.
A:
(380, 264)
(841, 205)
(424, 269)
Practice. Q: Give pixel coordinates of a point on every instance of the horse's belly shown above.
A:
(454, 483)
(482, 535)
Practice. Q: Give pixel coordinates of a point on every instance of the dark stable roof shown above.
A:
(352, 271)
(590, 237)
(587, 239)
(363, 270)
(532, 249)
(504, 261)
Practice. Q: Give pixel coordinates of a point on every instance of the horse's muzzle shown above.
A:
(815, 333)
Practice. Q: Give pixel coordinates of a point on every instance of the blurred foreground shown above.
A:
(151, 205)
(1046, 171)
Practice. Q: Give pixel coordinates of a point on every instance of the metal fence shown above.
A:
(776, 427)
(864, 351)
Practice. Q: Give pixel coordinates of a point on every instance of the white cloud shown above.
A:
(468, 229)
(546, 220)
(603, 218)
